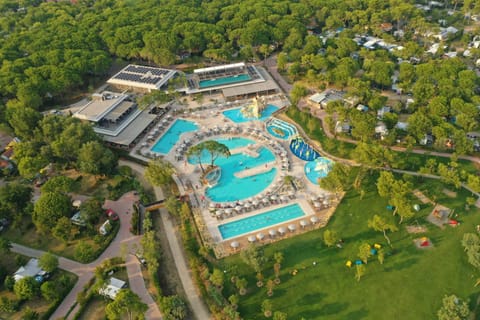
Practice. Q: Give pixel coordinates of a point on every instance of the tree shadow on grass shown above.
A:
(357, 314)
(326, 310)
(402, 264)
(311, 299)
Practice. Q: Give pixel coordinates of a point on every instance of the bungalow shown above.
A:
(381, 129)
(342, 127)
(426, 140)
(382, 111)
(362, 108)
(113, 288)
(31, 269)
(322, 99)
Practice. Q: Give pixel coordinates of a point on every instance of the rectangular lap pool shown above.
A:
(260, 221)
(171, 136)
(224, 80)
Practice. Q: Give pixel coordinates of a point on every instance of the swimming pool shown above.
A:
(260, 221)
(318, 168)
(281, 129)
(171, 136)
(237, 116)
(229, 187)
(224, 80)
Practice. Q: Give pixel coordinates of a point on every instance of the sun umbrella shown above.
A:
(247, 205)
(219, 212)
(303, 223)
(292, 227)
(326, 202)
(272, 232)
(291, 193)
(164, 121)
(282, 230)
(235, 244)
(314, 219)
(265, 200)
(229, 211)
(251, 238)
(238, 208)
(260, 236)
(255, 203)
(317, 204)
(273, 197)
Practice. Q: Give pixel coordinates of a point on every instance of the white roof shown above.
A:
(222, 67)
(318, 97)
(31, 269)
(100, 106)
(111, 290)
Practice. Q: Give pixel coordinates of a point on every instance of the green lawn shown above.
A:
(409, 285)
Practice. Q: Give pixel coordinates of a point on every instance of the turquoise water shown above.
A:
(318, 168)
(260, 221)
(236, 115)
(171, 136)
(281, 129)
(224, 80)
(230, 188)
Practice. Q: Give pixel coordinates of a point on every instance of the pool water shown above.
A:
(260, 221)
(303, 150)
(230, 188)
(317, 169)
(224, 80)
(172, 135)
(237, 116)
(281, 129)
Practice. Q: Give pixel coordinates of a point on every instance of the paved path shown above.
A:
(85, 272)
(199, 309)
(271, 64)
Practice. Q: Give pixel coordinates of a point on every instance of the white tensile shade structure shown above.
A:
(314, 219)
(251, 238)
(235, 244)
(292, 227)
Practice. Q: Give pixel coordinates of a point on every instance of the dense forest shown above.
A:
(48, 49)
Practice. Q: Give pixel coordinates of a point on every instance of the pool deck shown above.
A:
(213, 124)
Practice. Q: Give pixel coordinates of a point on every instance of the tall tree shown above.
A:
(159, 172)
(49, 208)
(453, 308)
(379, 223)
(126, 303)
(48, 262)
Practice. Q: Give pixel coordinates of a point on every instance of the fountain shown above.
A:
(254, 109)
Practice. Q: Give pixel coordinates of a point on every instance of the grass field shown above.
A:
(409, 285)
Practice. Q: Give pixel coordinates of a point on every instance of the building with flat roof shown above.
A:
(116, 117)
(236, 80)
(142, 78)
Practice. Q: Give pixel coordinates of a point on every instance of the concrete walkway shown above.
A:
(85, 272)
(198, 308)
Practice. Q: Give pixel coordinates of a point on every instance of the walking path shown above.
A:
(85, 272)
(197, 306)
(271, 64)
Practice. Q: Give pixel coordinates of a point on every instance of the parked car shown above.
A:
(141, 259)
(112, 215)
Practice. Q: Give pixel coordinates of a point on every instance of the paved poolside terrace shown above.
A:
(317, 204)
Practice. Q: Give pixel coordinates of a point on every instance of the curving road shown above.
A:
(85, 272)
(199, 309)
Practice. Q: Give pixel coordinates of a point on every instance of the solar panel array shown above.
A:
(141, 74)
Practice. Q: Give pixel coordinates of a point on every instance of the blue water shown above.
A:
(318, 168)
(260, 221)
(230, 188)
(285, 135)
(224, 80)
(236, 115)
(303, 150)
(171, 136)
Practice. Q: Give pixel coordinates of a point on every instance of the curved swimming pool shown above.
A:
(317, 169)
(231, 188)
(237, 116)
